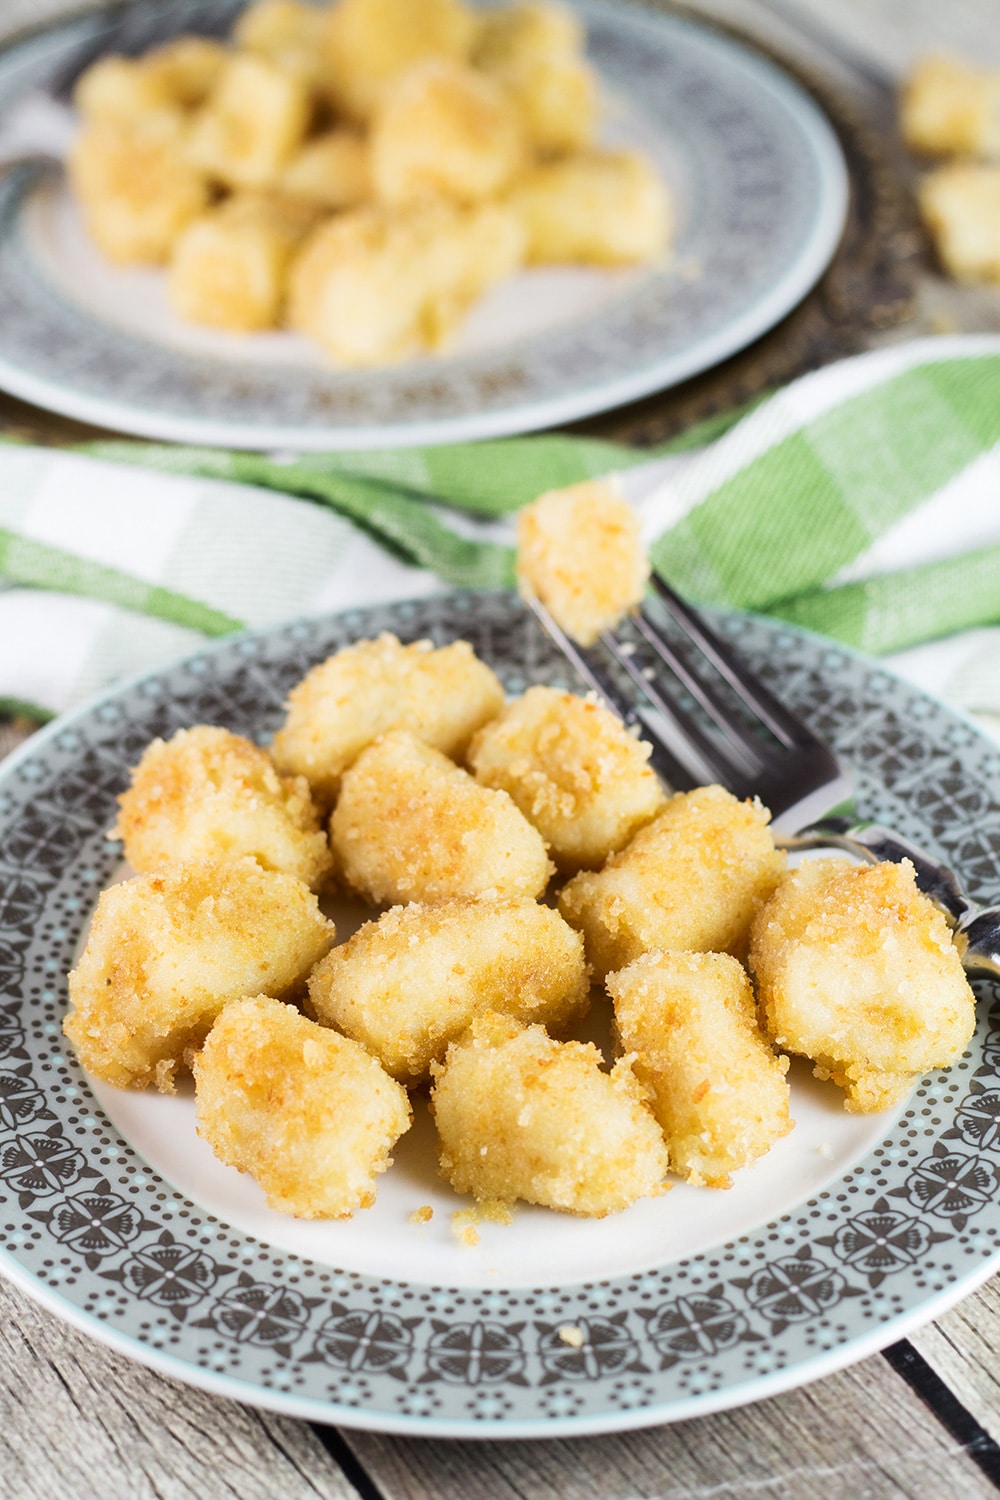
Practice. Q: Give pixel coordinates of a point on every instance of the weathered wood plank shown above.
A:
(78, 1420)
(861, 1434)
(963, 1348)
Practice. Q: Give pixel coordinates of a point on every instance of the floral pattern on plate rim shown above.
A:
(86, 1225)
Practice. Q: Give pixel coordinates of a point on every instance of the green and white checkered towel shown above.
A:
(862, 501)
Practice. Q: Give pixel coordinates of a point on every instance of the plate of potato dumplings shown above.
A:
(380, 221)
(458, 926)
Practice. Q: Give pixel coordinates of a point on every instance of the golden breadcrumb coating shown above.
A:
(960, 204)
(410, 983)
(210, 794)
(522, 1116)
(411, 826)
(951, 108)
(168, 950)
(372, 43)
(573, 769)
(535, 52)
(121, 91)
(309, 1114)
(229, 267)
(558, 101)
(127, 90)
(289, 33)
(378, 284)
(599, 208)
(136, 188)
(856, 969)
(333, 170)
(449, 131)
(691, 879)
(718, 1090)
(511, 36)
(254, 122)
(580, 552)
(441, 695)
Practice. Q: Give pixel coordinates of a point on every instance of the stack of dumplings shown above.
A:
(512, 854)
(360, 172)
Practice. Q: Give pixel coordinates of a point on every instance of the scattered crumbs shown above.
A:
(422, 1215)
(825, 1150)
(493, 1211)
(463, 1224)
(570, 1334)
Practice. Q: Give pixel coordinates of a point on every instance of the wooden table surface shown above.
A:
(920, 1420)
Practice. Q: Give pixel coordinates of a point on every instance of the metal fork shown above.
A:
(37, 131)
(711, 719)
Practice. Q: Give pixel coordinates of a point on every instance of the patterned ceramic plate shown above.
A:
(852, 1231)
(760, 192)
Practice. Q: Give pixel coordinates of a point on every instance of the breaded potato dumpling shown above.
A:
(718, 1090)
(372, 43)
(210, 794)
(573, 769)
(509, 36)
(535, 52)
(692, 879)
(290, 33)
(558, 101)
(136, 188)
(580, 552)
(255, 120)
(127, 90)
(332, 170)
(410, 983)
(960, 204)
(168, 950)
(121, 91)
(597, 208)
(378, 284)
(411, 826)
(441, 695)
(522, 1116)
(856, 969)
(309, 1114)
(448, 131)
(229, 267)
(951, 108)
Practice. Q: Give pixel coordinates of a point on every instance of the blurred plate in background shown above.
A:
(760, 193)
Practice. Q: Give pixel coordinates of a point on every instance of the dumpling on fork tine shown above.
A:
(580, 554)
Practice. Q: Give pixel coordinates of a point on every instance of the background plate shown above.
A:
(883, 1223)
(760, 190)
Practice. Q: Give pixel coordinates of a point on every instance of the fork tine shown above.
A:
(783, 724)
(587, 665)
(796, 774)
(723, 763)
(671, 758)
(741, 740)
